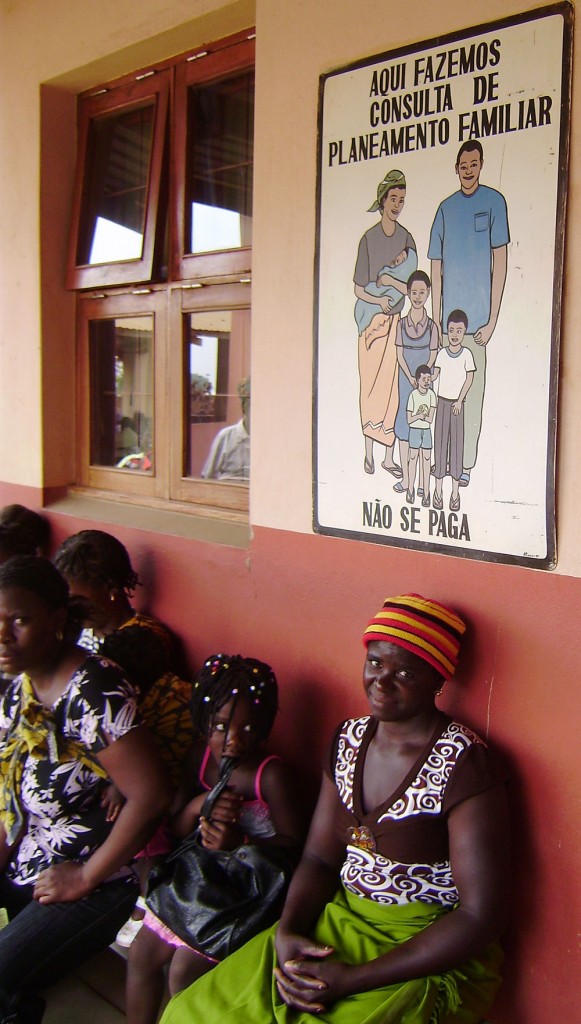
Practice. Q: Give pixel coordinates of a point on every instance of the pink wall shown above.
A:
(301, 603)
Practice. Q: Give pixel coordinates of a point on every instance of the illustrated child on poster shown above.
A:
(401, 267)
(420, 414)
(454, 371)
(416, 343)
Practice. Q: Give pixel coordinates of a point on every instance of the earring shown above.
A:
(59, 635)
(438, 692)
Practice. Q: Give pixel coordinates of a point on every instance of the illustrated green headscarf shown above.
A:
(393, 179)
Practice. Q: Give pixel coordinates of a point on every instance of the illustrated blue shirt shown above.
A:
(465, 231)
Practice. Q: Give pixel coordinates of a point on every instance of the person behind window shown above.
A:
(229, 457)
(128, 440)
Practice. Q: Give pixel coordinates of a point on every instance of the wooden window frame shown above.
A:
(121, 481)
(137, 94)
(208, 66)
(196, 282)
(166, 483)
(230, 495)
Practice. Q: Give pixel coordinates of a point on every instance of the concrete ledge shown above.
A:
(177, 519)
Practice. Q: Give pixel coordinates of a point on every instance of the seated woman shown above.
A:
(22, 532)
(69, 724)
(396, 907)
(101, 581)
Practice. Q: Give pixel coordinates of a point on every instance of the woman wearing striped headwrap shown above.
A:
(395, 910)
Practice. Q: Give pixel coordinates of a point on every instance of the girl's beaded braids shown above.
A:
(226, 676)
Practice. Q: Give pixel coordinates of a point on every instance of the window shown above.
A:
(215, 113)
(160, 256)
(214, 364)
(117, 219)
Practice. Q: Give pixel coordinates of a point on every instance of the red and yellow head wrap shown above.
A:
(422, 626)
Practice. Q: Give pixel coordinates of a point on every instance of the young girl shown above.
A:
(234, 704)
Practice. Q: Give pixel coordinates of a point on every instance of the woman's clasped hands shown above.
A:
(305, 979)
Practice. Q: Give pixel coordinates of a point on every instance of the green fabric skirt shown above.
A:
(241, 990)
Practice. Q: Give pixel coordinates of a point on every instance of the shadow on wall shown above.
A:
(533, 879)
(297, 736)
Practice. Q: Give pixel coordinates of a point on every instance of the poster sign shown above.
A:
(442, 183)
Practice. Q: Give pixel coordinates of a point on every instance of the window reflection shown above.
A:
(217, 364)
(115, 192)
(112, 238)
(220, 155)
(121, 392)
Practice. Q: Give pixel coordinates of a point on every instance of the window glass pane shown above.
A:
(121, 392)
(219, 167)
(115, 189)
(217, 366)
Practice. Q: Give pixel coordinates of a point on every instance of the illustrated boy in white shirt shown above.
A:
(454, 370)
(421, 408)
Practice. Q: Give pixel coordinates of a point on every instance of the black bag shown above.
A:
(215, 900)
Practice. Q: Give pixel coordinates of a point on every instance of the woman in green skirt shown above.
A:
(395, 910)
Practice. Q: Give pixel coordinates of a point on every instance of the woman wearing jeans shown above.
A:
(69, 726)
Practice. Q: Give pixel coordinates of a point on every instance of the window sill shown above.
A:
(178, 519)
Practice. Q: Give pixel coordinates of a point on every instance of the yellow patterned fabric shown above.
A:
(35, 735)
(166, 711)
(143, 647)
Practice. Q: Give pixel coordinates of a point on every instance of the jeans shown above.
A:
(44, 942)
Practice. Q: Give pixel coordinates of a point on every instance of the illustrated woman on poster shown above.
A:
(380, 250)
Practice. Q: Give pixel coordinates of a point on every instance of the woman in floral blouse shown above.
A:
(69, 726)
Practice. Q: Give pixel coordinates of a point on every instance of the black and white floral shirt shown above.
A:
(61, 802)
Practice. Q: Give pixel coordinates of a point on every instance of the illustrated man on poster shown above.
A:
(468, 251)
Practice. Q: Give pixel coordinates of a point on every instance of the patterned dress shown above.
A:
(60, 783)
(398, 852)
